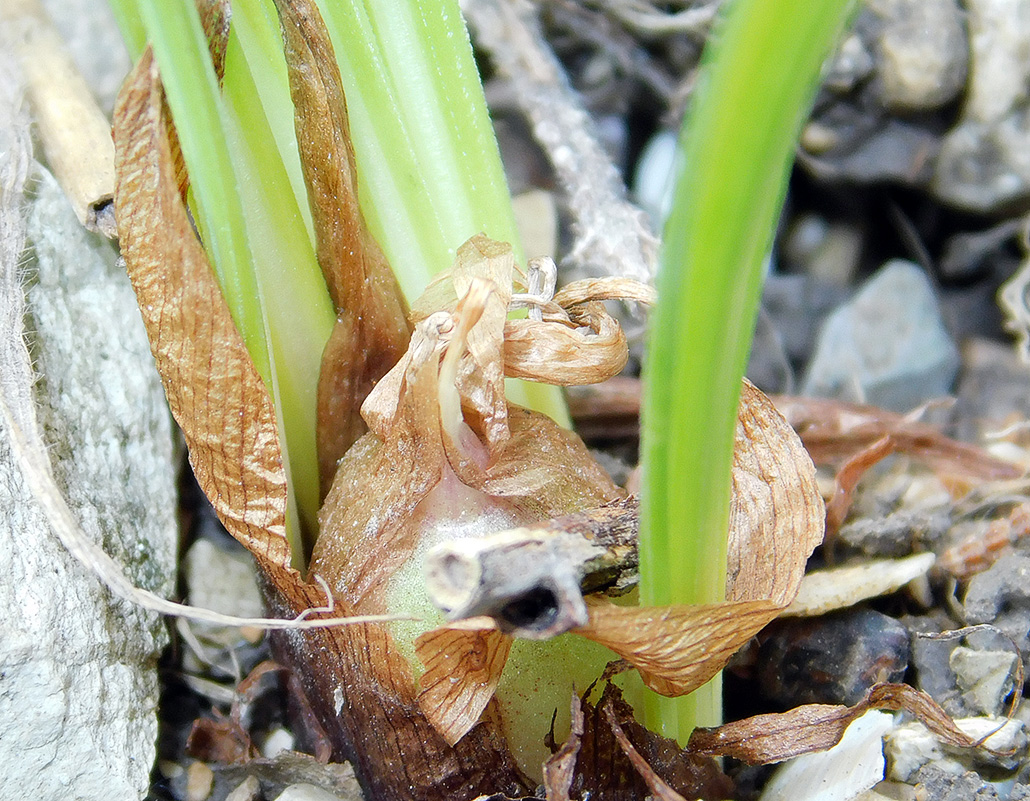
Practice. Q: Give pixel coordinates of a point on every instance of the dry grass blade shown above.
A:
(74, 131)
(463, 667)
(659, 788)
(815, 727)
(213, 389)
(371, 331)
(559, 770)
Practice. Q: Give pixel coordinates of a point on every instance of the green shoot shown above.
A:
(761, 70)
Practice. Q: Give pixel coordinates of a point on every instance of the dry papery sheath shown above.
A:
(426, 711)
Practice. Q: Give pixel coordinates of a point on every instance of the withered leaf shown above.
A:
(610, 288)
(587, 349)
(575, 341)
(224, 739)
(213, 390)
(833, 430)
(463, 666)
(776, 514)
(676, 648)
(815, 727)
(480, 379)
(776, 520)
(371, 331)
(846, 481)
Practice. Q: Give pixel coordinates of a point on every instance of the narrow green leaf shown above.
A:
(762, 67)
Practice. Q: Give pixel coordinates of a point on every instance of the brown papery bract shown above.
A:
(371, 331)
(776, 520)
(215, 394)
(463, 666)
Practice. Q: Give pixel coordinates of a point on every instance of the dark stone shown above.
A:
(832, 659)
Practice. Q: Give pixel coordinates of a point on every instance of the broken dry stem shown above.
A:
(531, 581)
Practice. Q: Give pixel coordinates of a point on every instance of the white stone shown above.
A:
(841, 773)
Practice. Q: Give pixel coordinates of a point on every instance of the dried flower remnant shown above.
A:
(447, 459)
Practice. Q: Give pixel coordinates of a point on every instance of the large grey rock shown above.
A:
(78, 692)
(887, 346)
(984, 162)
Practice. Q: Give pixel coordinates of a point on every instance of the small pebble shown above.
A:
(653, 179)
(1001, 596)
(985, 677)
(937, 784)
(922, 53)
(278, 740)
(199, 780)
(306, 792)
(248, 790)
(983, 164)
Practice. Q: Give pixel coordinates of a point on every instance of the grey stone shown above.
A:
(223, 579)
(887, 346)
(984, 162)
(921, 53)
(796, 305)
(985, 678)
(931, 661)
(1001, 596)
(939, 785)
(78, 694)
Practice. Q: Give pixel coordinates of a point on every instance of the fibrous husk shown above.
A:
(609, 756)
